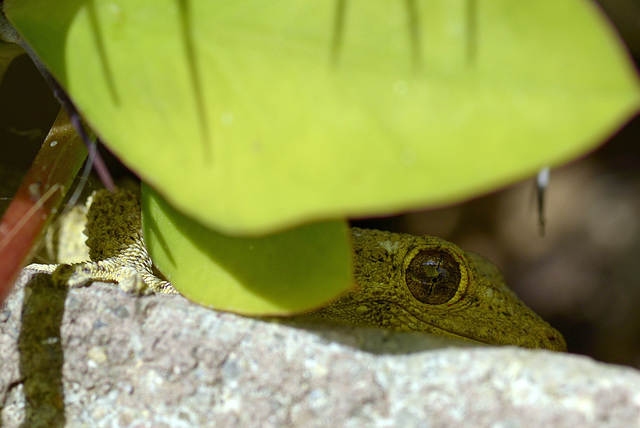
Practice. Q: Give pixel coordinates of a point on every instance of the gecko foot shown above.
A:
(128, 279)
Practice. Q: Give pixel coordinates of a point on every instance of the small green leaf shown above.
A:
(278, 274)
(252, 115)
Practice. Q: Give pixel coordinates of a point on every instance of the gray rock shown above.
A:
(97, 357)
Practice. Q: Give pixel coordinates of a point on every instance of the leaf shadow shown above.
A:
(98, 39)
(186, 27)
(41, 352)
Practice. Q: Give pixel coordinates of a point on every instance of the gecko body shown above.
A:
(404, 282)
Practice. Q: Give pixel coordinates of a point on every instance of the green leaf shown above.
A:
(275, 275)
(257, 115)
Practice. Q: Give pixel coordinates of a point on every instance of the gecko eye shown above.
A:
(433, 277)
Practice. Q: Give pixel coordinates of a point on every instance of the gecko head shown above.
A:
(471, 300)
(427, 284)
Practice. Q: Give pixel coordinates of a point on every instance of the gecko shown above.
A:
(403, 282)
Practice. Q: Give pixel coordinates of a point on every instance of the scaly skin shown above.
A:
(482, 308)
(110, 225)
(463, 295)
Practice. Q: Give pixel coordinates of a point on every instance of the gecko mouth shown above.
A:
(550, 343)
(441, 329)
(432, 328)
(393, 316)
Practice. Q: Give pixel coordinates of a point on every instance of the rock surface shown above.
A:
(98, 357)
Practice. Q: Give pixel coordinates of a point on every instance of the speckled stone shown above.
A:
(97, 357)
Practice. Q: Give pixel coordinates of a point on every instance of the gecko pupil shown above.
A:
(433, 277)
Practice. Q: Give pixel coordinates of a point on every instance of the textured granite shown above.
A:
(97, 357)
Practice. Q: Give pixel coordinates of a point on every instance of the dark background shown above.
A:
(583, 275)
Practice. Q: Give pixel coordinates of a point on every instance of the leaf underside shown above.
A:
(254, 116)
